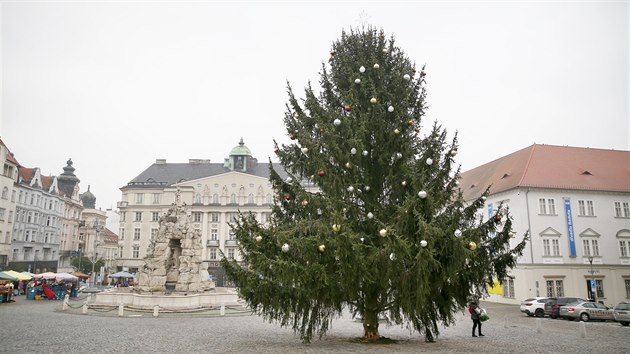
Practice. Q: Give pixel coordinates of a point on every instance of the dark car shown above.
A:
(552, 307)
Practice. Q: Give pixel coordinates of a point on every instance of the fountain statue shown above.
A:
(173, 261)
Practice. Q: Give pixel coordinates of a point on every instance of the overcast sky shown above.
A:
(116, 85)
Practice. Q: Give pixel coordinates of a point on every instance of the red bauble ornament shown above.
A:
(417, 130)
(497, 218)
(347, 108)
(410, 122)
(292, 136)
(321, 173)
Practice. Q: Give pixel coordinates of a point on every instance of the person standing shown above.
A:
(475, 311)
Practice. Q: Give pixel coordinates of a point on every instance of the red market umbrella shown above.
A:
(80, 275)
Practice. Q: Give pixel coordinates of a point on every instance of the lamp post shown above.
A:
(593, 286)
(97, 229)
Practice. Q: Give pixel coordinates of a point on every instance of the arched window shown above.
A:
(233, 198)
(5, 193)
(268, 199)
(215, 199)
(198, 198)
(250, 198)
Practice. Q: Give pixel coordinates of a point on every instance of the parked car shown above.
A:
(552, 307)
(586, 310)
(534, 306)
(622, 313)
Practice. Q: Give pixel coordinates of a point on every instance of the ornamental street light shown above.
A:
(97, 229)
(593, 287)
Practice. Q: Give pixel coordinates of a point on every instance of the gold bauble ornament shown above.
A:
(472, 246)
(321, 248)
(373, 100)
(304, 202)
(336, 227)
(258, 238)
(396, 131)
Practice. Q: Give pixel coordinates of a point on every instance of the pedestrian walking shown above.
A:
(475, 311)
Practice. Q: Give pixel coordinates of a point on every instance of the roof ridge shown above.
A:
(529, 159)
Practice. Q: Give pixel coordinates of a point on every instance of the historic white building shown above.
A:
(8, 178)
(37, 224)
(214, 194)
(70, 245)
(575, 204)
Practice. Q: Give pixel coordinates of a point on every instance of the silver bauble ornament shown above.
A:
(458, 233)
(399, 155)
(319, 212)
(376, 66)
(407, 77)
(403, 183)
(422, 194)
(289, 179)
(353, 151)
(383, 232)
(429, 161)
(305, 150)
(367, 188)
(285, 248)
(423, 243)
(258, 238)
(390, 109)
(307, 112)
(365, 152)
(350, 189)
(362, 69)
(357, 81)
(370, 215)
(392, 256)
(337, 122)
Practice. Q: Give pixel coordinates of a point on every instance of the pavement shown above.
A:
(42, 327)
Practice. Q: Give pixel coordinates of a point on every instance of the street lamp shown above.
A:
(97, 229)
(593, 286)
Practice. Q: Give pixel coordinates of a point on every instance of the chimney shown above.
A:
(160, 161)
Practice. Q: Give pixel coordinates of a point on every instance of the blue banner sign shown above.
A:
(567, 213)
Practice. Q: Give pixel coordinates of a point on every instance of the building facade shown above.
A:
(8, 180)
(37, 225)
(214, 194)
(574, 202)
(70, 245)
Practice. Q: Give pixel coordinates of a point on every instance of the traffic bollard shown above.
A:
(539, 325)
(84, 309)
(156, 311)
(582, 329)
(121, 309)
(222, 309)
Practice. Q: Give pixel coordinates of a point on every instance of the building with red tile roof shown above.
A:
(574, 202)
(8, 177)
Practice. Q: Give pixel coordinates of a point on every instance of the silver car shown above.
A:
(622, 313)
(586, 310)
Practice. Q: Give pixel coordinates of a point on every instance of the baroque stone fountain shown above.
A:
(173, 276)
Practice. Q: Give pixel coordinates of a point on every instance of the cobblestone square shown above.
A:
(41, 327)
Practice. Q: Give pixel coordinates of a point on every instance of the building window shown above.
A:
(136, 234)
(214, 217)
(197, 198)
(123, 216)
(213, 253)
(214, 234)
(585, 208)
(250, 199)
(508, 288)
(154, 233)
(139, 197)
(233, 199)
(231, 236)
(547, 206)
(13, 196)
(196, 217)
(2, 211)
(622, 209)
(599, 287)
(155, 216)
(269, 199)
(5, 193)
(591, 247)
(138, 216)
(122, 233)
(555, 244)
(215, 199)
(555, 288)
(624, 248)
(230, 253)
(546, 247)
(136, 252)
(156, 198)
(627, 282)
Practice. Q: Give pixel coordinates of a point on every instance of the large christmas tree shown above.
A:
(371, 218)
